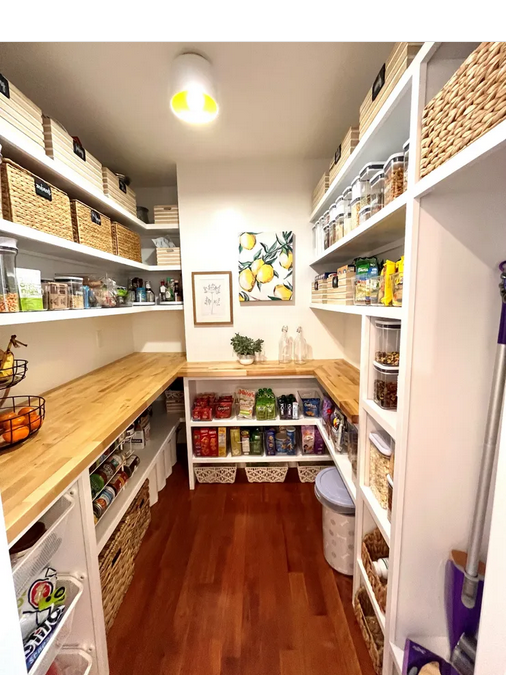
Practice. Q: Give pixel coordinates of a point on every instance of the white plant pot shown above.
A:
(246, 359)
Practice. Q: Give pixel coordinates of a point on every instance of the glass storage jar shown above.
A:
(75, 291)
(394, 177)
(405, 149)
(364, 214)
(9, 296)
(388, 340)
(385, 386)
(355, 210)
(365, 176)
(376, 188)
(380, 451)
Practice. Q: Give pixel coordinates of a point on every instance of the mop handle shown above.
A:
(471, 578)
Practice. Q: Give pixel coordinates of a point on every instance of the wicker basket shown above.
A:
(308, 472)
(119, 191)
(91, 228)
(274, 473)
(126, 243)
(471, 103)
(375, 547)
(216, 474)
(138, 517)
(370, 628)
(168, 256)
(28, 200)
(20, 112)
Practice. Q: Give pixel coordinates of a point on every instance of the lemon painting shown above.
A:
(265, 266)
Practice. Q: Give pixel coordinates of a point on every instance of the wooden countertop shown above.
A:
(82, 418)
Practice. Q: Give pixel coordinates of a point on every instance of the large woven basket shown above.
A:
(471, 103)
(91, 228)
(375, 547)
(126, 243)
(370, 628)
(28, 200)
(138, 517)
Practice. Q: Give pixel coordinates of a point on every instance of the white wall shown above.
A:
(158, 332)
(218, 201)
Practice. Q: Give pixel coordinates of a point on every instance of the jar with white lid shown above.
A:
(381, 448)
(385, 386)
(368, 171)
(75, 290)
(376, 189)
(355, 210)
(364, 214)
(405, 149)
(355, 189)
(9, 296)
(394, 177)
(333, 212)
(388, 340)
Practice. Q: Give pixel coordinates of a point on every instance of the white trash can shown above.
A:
(338, 520)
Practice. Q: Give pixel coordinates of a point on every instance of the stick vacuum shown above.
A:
(464, 571)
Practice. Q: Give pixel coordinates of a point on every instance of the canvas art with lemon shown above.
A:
(265, 266)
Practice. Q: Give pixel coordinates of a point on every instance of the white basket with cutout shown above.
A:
(308, 472)
(273, 473)
(216, 474)
(74, 661)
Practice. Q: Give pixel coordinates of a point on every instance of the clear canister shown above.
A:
(9, 296)
(332, 232)
(376, 189)
(74, 289)
(355, 210)
(364, 214)
(46, 287)
(326, 235)
(365, 176)
(394, 177)
(380, 453)
(347, 211)
(333, 212)
(405, 149)
(385, 386)
(355, 189)
(340, 218)
(388, 340)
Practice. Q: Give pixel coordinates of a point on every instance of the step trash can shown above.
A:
(338, 520)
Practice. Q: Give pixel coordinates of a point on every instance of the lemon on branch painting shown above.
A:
(265, 266)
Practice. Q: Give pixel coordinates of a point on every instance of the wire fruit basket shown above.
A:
(9, 377)
(20, 418)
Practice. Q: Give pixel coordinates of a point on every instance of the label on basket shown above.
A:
(43, 189)
(335, 282)
(79, 150)
(4, 86)
(315, 285)
(337, 155)
(122, 185)
(378, 82)
(95, 217)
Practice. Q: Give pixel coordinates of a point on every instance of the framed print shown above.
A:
(266, 266)
(212, 298)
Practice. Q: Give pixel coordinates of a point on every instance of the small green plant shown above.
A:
(245, 346)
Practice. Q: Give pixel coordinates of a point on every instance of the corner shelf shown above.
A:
(387, 419)
(360, 310)
(240, 422)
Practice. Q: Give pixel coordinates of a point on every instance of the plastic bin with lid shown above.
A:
(394, 177)
(385, 386)
(388, 339)
(364, 215)
(75, 290)
(377, 190)
(381, 448)
(338, 520)
(365, 175)
(9, 297)
(347, 211)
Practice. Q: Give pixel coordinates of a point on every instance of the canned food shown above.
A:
(270, 442)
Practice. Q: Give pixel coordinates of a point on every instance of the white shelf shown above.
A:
(162, 428)
(385, 227)
(398, 656)
(387, 419)
(360, 310)
(367, 585)
(15, 318)
(341, 461)
(239, 422)
(379, 515)
(246, 459)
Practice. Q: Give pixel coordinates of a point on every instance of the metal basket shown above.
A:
(20, 418)
(14, 375)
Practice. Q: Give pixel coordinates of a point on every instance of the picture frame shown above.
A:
(212, 299)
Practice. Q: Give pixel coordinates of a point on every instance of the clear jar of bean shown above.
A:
(394, 177)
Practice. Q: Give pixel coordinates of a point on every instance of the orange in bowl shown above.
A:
(11, 419)
(15, 435)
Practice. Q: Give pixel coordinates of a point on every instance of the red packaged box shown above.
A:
(197, 446)
(204, 442)
(213, 442)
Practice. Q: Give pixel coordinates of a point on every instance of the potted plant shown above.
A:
(246, 348)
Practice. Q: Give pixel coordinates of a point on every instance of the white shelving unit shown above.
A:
(364, 579)
(359, 310)
(261, 459)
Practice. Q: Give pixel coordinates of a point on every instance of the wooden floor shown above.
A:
(231, 580)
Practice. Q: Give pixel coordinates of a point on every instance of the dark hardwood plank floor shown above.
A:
(231, 580)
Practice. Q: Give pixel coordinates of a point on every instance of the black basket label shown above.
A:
(316, 285)
(95, 217)
(378, 82)
(4, 86)
(43, 189)
(335, 282)
(79, 150)
(122, 185)
(337, 155)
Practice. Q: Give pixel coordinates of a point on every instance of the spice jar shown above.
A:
(364, 214)
(340, 218)
(376, 189)
(388, 339)
(385, 386)
(347, 211)
(365, 176)
(380, 451)
(9, 297)
(355, 210)
(74, 290)
(394, 177)
(405, 149)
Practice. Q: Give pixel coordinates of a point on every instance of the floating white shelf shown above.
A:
(34, 241)
(239, 422)
(368, 310)
(379, 515)
(387, 419)
(341, 461)
(246, 459)
(14, 318)
(385, 227)
(367, 585)
(162, 428)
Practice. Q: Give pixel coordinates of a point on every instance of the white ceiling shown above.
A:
(277, 100)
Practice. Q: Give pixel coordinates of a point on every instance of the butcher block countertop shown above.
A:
(85, 415)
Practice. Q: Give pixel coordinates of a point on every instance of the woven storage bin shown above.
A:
(348, 144)
(23, 203)
(126, 243)
(20, 112)
(119, 191)
(375, 547)
(62, 147)
(138, 517)
(471, 103)
(166, 215)
(370, 628)
(168, 256)
(216, 474)
(91, 228)
(389, 75)
(307, 473)
(117, 564)
(274, 473)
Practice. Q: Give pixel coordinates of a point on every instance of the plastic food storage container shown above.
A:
(394, 177)
(388, 339)
(405, 149)
(355, 188)
(385, 386)
(352, 446)
(355, 211)
(347, 211)
(364, 215)
(390, 484)
(333, 212)
(311, 402)
(380, 451)
(332, 232)
(326, 236)
(339, 218)
(75, 291)
(365, 176)
(377, 187)
(9, 297)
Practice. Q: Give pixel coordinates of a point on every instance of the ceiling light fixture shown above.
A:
(193, 95)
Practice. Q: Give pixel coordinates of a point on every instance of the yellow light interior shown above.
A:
(195, 108)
